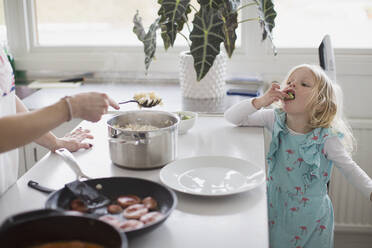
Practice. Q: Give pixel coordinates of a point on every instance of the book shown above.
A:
(53, 84)
(245, 86)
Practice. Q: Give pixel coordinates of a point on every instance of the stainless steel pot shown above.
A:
(143, 149)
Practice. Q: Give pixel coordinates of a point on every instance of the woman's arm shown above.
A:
(20, 129)
(71, 141)
(336, 152)
(48, 140)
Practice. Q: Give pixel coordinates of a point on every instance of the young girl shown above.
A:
(308, 138)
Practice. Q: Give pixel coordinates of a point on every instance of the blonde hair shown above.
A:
(326, 105)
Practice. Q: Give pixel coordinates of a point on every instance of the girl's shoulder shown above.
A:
(321, 135)
(331, 132)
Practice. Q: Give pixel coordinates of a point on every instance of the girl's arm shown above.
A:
(336, 152)
(245, 113)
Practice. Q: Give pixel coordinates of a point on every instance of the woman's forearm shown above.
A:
(48, 140)
(25, 127)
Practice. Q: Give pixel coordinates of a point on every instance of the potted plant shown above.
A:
(215, 22)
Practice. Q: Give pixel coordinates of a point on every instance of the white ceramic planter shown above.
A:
(211, 86)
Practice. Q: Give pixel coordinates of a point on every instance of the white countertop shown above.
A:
(228, 221)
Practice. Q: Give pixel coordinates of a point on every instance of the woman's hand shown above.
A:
(74, 141)
(91, 106)
(272, 95)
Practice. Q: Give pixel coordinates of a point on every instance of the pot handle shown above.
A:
(121, 141)
(35, 185)
(71, 161)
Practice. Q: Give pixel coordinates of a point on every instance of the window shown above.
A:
(349, 23)
(91, 23)
(96, 35)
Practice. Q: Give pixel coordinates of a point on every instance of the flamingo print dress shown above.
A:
(300, 210)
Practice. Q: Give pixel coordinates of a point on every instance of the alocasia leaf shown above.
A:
(230, 24)
(148, 39)
(138, 27)
(168, 33)
(150, 43)
(267, 15)
(215, 22)
(211, 3)
(206, 38)
(172, 15)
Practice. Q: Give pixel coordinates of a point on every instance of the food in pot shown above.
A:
(148, 150)
(135, 211)
(130, 225)
(151, 217)
(136, 127)
(68, 244)
(78, 205)
(127, 200)
(150, 203)
(114, 209)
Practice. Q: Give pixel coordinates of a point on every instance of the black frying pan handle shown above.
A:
(35, 185)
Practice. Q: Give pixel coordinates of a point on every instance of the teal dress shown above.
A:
(300, 210)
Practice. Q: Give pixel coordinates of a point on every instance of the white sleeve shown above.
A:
(245, 114)
(355, 175)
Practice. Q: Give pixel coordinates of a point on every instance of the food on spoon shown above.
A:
(127, 200)
(135, 211)
(130, 225)
(78, 205)
(114, 209)
(150, 203)
(151, 217)
(147, 99)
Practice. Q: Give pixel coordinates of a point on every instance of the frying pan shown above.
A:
(113, 187)
(47, 225)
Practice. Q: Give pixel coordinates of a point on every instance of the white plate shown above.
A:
(211, 175)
